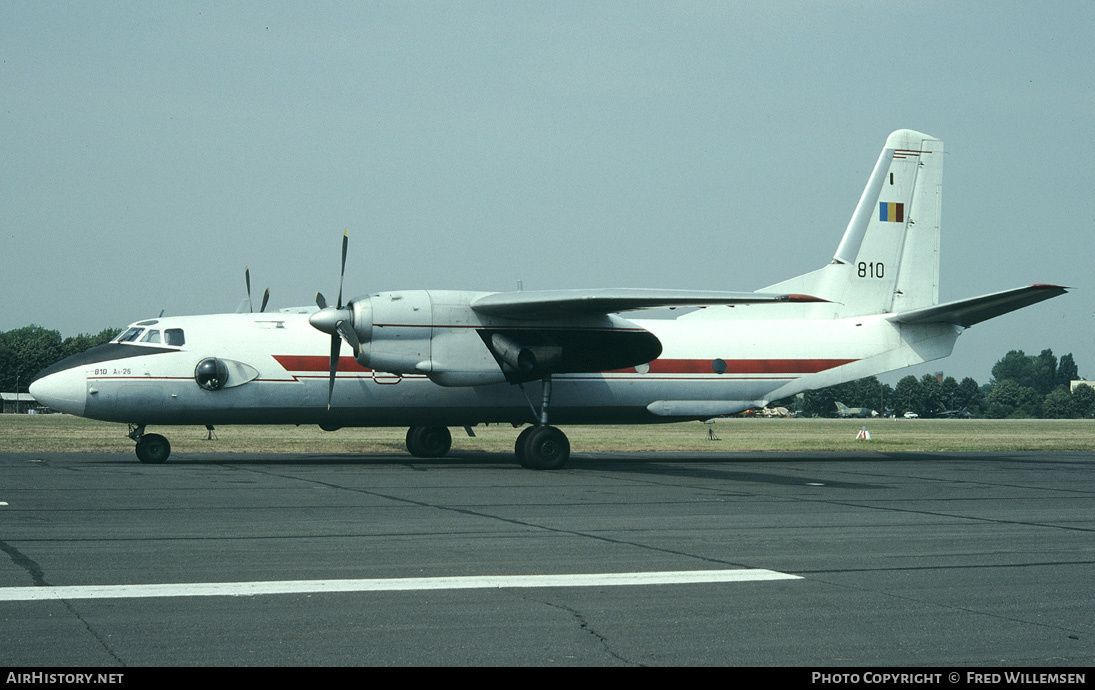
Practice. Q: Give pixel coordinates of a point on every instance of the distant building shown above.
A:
(1078, 383)
(18, 403)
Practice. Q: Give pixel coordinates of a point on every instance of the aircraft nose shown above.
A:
(64, 391)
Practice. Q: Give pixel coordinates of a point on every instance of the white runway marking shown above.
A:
(247, 589)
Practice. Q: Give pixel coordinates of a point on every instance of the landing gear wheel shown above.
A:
(519, 446)
(153, 449)
(428, 441)
(545, 448)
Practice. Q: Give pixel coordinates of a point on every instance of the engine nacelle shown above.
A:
(438, 334)
(395, 330)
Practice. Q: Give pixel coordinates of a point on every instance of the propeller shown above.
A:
(265, 295)
(338, 321)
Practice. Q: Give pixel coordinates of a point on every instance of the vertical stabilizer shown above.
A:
(888, 258)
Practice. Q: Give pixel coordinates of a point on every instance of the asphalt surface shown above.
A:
(942, 560)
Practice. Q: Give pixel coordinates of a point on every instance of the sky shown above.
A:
(150, 151)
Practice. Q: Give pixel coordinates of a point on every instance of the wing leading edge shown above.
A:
(555, 304)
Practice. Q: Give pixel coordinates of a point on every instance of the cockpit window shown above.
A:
(152, 336)
(130, 336)
(175, 337)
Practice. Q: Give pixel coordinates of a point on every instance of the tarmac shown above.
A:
(942, 560)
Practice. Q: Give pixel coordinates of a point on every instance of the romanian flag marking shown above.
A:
(891, 212)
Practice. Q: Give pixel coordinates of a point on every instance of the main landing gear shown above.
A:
(539, 447)
(151, 448)
(428, 441)
(543, 447)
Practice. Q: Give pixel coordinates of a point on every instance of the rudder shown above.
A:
(888, 258)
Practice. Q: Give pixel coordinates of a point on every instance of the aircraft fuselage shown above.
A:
(278, 374)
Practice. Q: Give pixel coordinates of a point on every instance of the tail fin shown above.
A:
(888, 259)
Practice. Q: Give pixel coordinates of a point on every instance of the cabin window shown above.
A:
(174, 337)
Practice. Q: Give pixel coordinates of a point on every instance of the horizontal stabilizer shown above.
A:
(967, 312)
(538, 304)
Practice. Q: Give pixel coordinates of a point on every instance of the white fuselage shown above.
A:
(714, 366)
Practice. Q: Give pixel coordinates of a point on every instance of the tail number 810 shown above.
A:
(871, 270)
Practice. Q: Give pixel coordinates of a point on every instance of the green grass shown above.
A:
(62, 433)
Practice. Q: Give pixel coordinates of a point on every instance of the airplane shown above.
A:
(843, 410)
(434, 359)
(960, 413)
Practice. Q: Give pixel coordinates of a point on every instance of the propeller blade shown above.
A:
(342, 271)
(265, 300)
(336, 321)
(336, 350)
(247, 279)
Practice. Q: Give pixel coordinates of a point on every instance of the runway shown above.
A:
(644, 559)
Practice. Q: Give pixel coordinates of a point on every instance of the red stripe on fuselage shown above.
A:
(319, 363)
(744, 366)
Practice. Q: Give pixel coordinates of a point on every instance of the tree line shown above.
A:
(1022, 386)
(26, 351)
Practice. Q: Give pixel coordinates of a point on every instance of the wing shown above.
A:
(967, 312)
(557, 304)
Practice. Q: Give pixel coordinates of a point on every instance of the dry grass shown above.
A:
(62, 433)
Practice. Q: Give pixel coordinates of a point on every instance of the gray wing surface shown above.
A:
(551, 304)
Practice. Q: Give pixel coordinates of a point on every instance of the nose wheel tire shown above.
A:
(153, 449)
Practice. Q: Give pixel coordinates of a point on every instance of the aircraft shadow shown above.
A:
(726, 467)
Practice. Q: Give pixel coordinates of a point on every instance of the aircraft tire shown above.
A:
(544, 448)
(429, 441)
(519, 445)
(153, 449)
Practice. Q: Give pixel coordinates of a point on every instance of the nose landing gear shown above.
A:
(151, 448)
